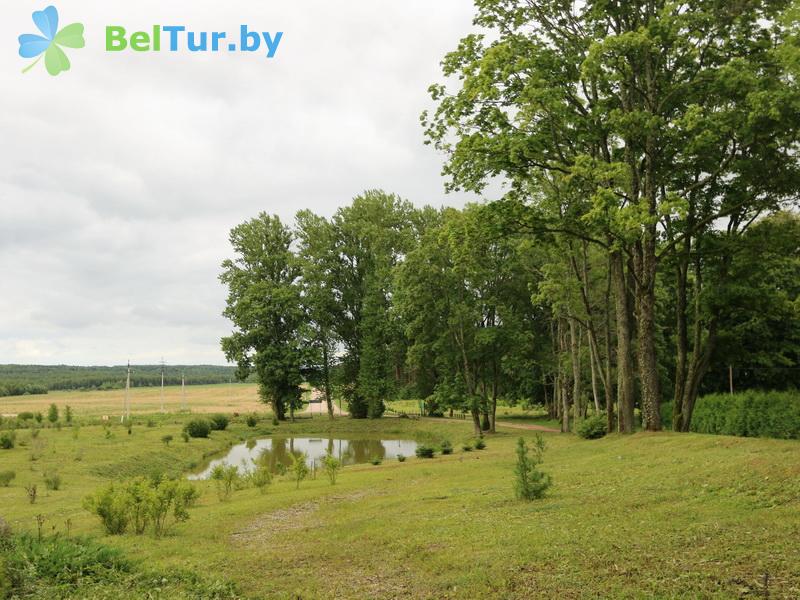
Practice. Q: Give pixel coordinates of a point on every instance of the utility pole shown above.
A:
(162, 385)
(184, 406)
(126, 408)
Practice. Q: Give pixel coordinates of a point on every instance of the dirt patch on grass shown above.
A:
(302, 516)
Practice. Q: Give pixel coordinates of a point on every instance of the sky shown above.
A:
(121, 178)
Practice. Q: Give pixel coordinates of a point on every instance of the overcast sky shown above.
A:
(120, 179)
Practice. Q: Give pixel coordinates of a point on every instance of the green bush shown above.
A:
(479, 444)
(25, 416)
(467, 447)
(530, 483)
(424, 451)
(376, 460)
(219, 422)
(7, 439)
(401, 458)
(299, 468)
(251, 420)
(198, 428)
(6, 477)
(166, 439)
(52, 413)
(447, 447)
(142, 502)
(226, 479)
(592, 428)
(332, 465)
(52, 481)
(745, 414)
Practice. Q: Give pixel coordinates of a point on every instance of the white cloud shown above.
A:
(120, 179)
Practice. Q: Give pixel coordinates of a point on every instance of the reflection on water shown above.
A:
(278, 451)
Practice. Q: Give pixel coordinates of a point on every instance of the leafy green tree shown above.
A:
(611, 121)
(265, 307)
(52, 413)
(369, 238)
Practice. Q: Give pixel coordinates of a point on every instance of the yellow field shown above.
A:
(226, 398)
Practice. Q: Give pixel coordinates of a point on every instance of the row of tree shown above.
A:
(458, 307)
(641, 144)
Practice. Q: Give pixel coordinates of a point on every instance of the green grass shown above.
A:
(664, 516)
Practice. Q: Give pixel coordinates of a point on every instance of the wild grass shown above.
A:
(664, 516)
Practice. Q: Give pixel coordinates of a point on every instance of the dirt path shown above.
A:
(526, 426)
(321, 408)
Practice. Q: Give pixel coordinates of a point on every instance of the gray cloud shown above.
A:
(120, 179)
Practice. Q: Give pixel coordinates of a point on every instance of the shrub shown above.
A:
(170, 502)
(376, 460)
(467, 447)
(25, 416)
(424, 451)
(198, 428)
(39, 417)
(261, 478)
(447, 447)
(593, 428)
(32, 492)
(530, 483)
(299, 468)
(6, 477)
(151, 423)
(166, 439)
(52, 413)
(68, 414)
(185, 436)
(112, 504)
(226, 478)
(479, 444)
(219, 422)
(142, 502)
(332, 465)
(251, 420)
(52, 481)
(749, 414)
(7, 439)
(401, 458)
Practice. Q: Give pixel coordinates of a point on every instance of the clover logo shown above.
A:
(50, 42)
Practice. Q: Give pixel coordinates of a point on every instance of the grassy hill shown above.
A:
(650, 515)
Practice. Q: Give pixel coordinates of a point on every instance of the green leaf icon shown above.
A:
(55, 60)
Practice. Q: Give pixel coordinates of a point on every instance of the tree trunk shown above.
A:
(645, 262)
(625, 400)
(563, 379)
(575, 358)
(326, 376)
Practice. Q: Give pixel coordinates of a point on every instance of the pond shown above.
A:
(277, 452)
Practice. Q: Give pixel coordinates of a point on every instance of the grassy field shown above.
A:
(144, 400)
(645, 516)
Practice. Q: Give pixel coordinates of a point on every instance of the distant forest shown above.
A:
(16, 380)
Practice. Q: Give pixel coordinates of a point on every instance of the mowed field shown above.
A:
(239, 397)
(644, 516)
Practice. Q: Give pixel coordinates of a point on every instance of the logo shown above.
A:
(51, 41)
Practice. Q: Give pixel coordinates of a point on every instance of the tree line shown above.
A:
(17, 380)
(464, 309)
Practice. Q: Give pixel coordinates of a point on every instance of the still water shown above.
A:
(279, 451)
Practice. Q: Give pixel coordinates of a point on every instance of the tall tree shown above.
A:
(264, 305)
(644, 104)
